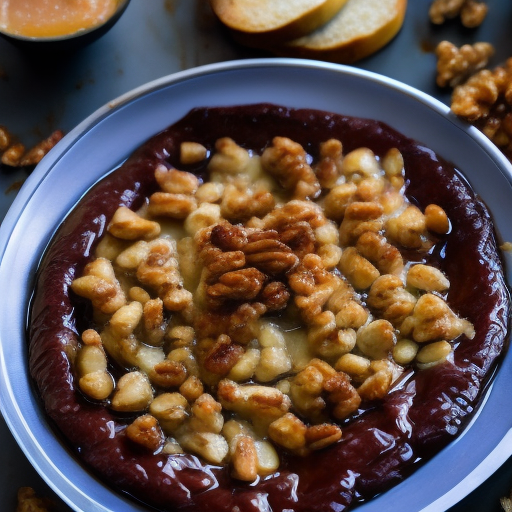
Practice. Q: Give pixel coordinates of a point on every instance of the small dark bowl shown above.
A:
(50, 46)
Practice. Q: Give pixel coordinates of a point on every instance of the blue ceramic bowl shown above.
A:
(108, 136)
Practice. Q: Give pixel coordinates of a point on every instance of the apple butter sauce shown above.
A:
(386, 440)
(53, 18)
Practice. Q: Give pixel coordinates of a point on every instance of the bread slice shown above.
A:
(359, 29)
(260, 23)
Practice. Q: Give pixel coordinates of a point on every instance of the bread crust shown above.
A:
(349, 50)
(252, 30)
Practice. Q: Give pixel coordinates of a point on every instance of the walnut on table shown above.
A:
(14, 153)
(485, 100)
(472, 12)
(455, 65)
(29, 501)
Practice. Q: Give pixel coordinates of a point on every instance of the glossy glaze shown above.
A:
(424, 413)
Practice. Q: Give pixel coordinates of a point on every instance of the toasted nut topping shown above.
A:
(127, 225)
(146, 432)
(285, 294)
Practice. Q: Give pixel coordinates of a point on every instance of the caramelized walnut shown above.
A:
(486, 100)
(455, 65)
(271, 321)
(472, 12)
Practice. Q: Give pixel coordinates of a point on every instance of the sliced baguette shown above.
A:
(260, 23)
(359, 29)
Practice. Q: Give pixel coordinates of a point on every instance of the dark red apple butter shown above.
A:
(383, 437)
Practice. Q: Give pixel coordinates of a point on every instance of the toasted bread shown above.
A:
(359, 29)
(260, 23)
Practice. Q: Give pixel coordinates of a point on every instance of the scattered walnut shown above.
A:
(35, 154)
(486, 100)
(472, 12)
(29, 501)
(455, 65)
(14, 154)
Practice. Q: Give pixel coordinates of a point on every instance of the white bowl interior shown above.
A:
(106, 138)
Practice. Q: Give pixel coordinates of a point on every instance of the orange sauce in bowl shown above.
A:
(53, 18)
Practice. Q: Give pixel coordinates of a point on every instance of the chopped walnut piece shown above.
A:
(241, 285)
(329, 167)
(222, 356)
(5, 138)
(229, 158)
(29, 501)
(100, 285)
(289, 432)
(286, 160)
(409, 229)
(337, 200)
(319, 384)
(260, 404)
(241, 201)
(160, 271)
(146, 432)
(133, 393)
(192, 152)
(389, 299)
(175, 206)
(128, 225)
(35, 154)
(200, 433)
(359, 218)
(385, 256)
(427, 278)
(377, 384)
(212, 447)
(171, 410)
(319, 437)
(357, 269)
(455, 65)
(376, 339)
(176, 182)
(241, 324)
(486, 100)
(91, 366)
(360, 163)
(13, 154)
(432, 320)
(471, 12)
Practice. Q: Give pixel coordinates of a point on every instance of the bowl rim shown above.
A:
(13, 415)
(121, 6)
